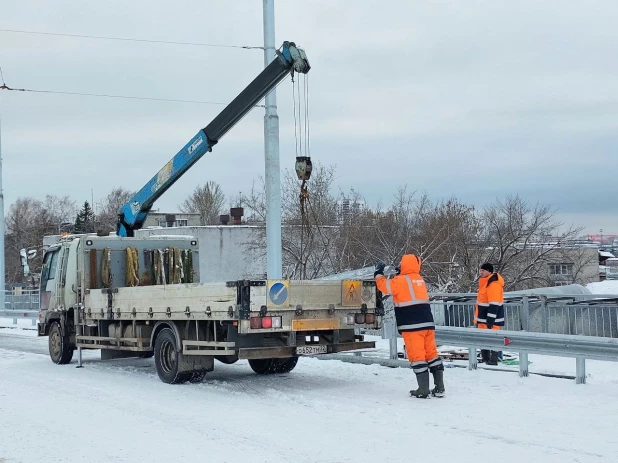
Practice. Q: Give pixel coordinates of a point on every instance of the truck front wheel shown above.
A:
(60, 349)
(166, 358)
(271, 366)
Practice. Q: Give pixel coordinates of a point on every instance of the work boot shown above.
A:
(438, 381)
(493, 358)
(423, 386)
(484, 356)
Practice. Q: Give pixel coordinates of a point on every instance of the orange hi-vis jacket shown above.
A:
(412, 309)
(490, 300)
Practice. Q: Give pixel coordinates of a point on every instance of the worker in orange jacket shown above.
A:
(415, 323)
(489, 312)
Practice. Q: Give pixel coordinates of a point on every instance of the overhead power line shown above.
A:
(4, 86)
(104, 95)
(126, 39)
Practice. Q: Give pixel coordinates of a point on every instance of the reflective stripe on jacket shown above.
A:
(410, 298)
(490, 300)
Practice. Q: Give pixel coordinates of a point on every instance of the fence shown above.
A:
(21, 304)
(567, 325)
(581, 314)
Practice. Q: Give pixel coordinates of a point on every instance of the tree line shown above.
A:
(318, 239)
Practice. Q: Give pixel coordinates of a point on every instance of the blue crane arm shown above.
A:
(133, 214)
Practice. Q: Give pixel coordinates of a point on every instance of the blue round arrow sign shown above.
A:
(278, 293)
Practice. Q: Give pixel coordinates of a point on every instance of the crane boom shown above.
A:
(133, 214)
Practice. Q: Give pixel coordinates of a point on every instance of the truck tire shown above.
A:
(166, 358)
(60, 350)
(197, 376)
(286, 365)
(272, 366)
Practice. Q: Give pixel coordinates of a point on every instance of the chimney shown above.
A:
(237, 213)
(224, 219)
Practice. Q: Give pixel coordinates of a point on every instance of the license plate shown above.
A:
(310, 350)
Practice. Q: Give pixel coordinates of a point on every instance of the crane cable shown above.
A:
(301, 133)
(303, 141)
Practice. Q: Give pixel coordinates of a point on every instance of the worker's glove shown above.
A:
(379, 269)
(490, 323)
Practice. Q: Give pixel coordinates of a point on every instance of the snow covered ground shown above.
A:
(324, 411)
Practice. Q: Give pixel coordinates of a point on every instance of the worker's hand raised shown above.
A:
(379, 269)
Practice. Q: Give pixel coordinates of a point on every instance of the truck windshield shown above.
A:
(49, 267)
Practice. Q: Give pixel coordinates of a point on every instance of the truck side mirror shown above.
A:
(24, 260)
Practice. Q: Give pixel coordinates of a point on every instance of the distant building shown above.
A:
(177, 219)
(348, 208)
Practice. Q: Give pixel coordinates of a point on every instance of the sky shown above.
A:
(476, 99)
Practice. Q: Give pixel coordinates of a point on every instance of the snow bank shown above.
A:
(604, 287)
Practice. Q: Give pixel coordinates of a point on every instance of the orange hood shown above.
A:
(410, 264)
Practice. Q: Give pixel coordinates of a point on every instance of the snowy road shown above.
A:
(21, 342)
(324, 411)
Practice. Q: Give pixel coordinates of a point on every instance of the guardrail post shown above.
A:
(472, 363)
(580, 370)
(525, 314)
(525, 326)
(544, 315)
(523, 364)
(392, 342)
(14, 321)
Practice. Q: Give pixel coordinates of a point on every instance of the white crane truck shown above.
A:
(142, 297)
(130, 296)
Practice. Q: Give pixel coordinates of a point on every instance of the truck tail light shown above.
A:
(370, 318)
(349, 319)
(257, 323)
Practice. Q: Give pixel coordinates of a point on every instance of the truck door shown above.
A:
(48, 278)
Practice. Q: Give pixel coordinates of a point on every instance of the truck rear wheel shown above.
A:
(197, 376)
(166, 358)
(60, 350)
(271, 366)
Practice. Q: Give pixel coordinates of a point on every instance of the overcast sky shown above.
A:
(474, 99)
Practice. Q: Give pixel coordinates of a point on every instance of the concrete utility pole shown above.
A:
(271, 148)
(2, 288)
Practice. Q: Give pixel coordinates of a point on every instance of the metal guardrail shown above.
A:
(16, 314)
(21, 300)
(580, 326)
(21, 304)
(561, 345)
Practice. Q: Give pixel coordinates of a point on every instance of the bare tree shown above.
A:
(384, 235)
(28, 220)
(254, 203)
(521, 240)
(309, 227)
(109, 208)
(207, 201)
(446, 232)
(310, 220)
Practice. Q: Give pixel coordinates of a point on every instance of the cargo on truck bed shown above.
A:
(142, 297)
